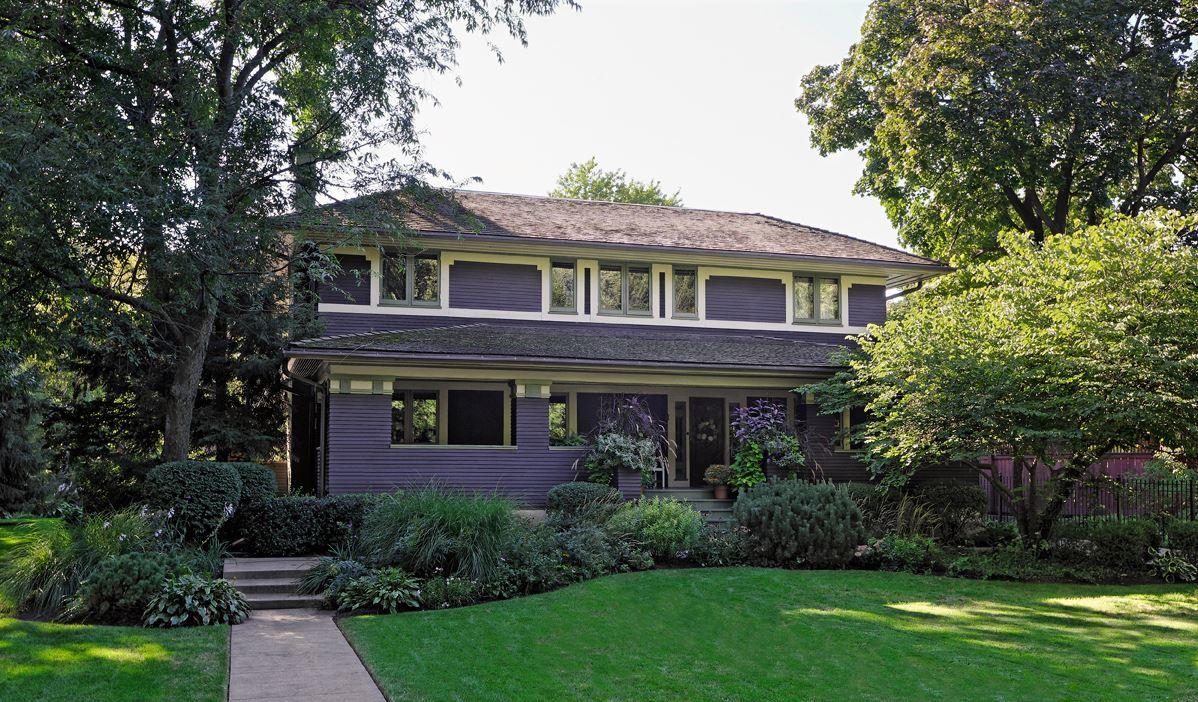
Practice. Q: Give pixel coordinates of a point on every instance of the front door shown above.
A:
(706, 436)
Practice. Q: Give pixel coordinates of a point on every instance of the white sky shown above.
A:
(698, 95)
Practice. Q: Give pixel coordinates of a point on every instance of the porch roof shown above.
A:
(487, 341)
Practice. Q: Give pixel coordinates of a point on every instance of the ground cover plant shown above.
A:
(747, 633)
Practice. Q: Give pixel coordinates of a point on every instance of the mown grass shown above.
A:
(48, 662)
(756, 634)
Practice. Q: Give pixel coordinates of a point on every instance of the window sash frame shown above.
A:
(556, 309)
(409, 268)
(624, 310)
(409, 404)
(816, 279)
(694, 272)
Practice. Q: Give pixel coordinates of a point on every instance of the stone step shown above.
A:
(682, 493)
(269, 586)
(282, 601)
(267, 568)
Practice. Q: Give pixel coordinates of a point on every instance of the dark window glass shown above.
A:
(857, 419)
(681, 440)
(611, 289)
(424, 418)
(395, 280)
(426, 278)
(638, 290)
(562, 279)
(559, 419)
(398, 416)
(804, 290)
(685, 300)
(474, 417)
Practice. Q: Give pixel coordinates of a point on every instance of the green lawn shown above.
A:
(754, 634)
(42, 661)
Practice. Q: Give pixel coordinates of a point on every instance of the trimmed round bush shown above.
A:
(280, 526)
(664, 526)
(121, 587)
(257, 482)
(793, 522)
(1183, 537)
(1119, 544)
(203, 495)
(573, 498)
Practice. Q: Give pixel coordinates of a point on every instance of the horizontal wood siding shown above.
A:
(361, 458)
(732, 298)
(867, 304)
(494, 286)
(360, 323)
(832, 463)
(351, 285)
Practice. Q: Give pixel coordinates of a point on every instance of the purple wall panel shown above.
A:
(867, 304)
(351, 286)
(494, 286)
(361, 458)
(732, 298)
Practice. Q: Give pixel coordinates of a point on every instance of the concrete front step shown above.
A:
(271, 583)
(260, 600)
(269, 586)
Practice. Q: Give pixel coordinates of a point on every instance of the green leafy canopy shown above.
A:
(1064, 351)
(977, 116)
(587, 181)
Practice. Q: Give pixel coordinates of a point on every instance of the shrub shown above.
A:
(992, 532)
(791, 522)
(340, 517)
(718, 547)
(913, 554)
(386, 589)
(433, 531)
(1012, 562)
(663, 526)
(1121, 545)
(717, 474)
(891, 512)
(442, 593)
(193, 600)
(121, 587)
(203, 495)
(957, 507)
(612, 452)
(103, 484)
(572, 499)
(531, 562)
(1182, 536)
(257, 482)
(280, 526)
(41, 574)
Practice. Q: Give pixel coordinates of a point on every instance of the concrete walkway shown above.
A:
(296, 654)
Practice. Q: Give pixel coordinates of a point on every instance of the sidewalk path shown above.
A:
(296, 654)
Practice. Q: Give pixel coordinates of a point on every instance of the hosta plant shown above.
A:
(193, 600)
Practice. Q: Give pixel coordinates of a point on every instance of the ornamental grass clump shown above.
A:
(434, 531)
(793, 522)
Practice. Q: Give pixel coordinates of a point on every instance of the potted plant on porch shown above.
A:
(717, 476)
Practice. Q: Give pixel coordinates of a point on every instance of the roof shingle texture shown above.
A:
(585, 221)
(499, 341)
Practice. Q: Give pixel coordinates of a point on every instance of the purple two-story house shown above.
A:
(470, 350)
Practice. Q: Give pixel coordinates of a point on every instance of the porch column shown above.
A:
(532, 415)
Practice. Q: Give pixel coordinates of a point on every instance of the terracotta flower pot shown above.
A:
(721, 492)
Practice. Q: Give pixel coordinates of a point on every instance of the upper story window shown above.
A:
(686, 286)
(816, 299)
(411, 279)
(624, 289)
(563, 284)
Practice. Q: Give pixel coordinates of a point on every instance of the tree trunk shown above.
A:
(1063, 486)
(185, 384)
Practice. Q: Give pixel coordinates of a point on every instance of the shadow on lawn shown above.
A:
(1152, 639)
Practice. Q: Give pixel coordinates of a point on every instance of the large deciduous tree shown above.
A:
(587, 181)
(145, 145)
(1055, 354)
(974, 116)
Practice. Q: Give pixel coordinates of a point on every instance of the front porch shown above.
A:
(516, 432)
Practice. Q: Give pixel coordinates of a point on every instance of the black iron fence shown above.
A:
(1116, 497)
